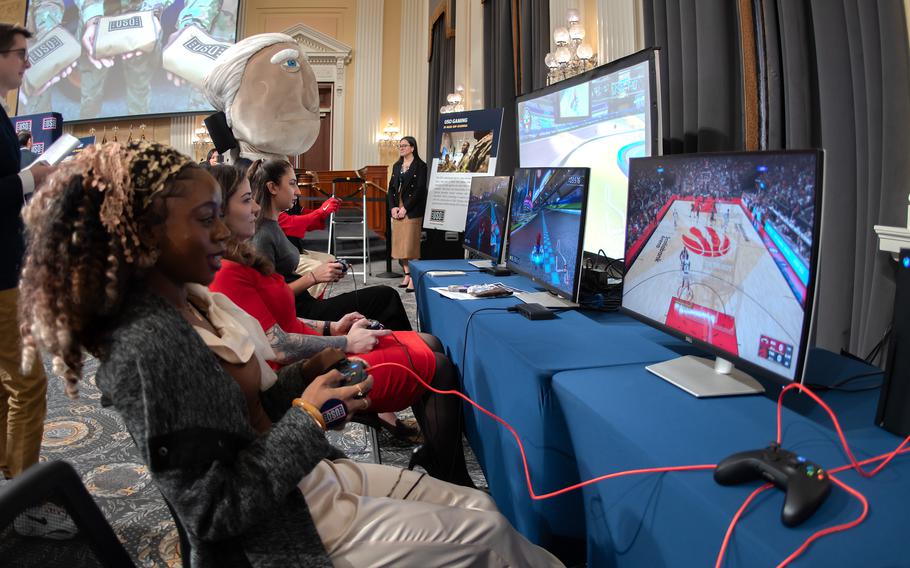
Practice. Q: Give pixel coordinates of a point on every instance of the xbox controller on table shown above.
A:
(805, 483)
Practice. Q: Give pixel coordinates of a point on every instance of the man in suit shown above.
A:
(26, 156)
(22, 396)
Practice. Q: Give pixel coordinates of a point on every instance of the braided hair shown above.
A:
(86, 249)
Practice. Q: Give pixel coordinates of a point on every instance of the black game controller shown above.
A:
(345, 265)
(806, 483)
(374, 325)
(353, 371)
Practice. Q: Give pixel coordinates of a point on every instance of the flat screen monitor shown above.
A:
(546, 225)
(599, 120)
(721, 249)
(488, 209)
(98, 60)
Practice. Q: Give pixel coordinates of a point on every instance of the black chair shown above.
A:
(57, 481)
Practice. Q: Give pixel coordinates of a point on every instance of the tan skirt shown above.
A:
(406, 238)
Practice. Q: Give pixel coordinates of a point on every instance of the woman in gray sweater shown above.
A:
(122, 242)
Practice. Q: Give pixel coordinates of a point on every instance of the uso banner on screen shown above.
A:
(469, 143)
(45, 128)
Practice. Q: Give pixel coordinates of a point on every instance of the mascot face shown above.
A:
(276, 108)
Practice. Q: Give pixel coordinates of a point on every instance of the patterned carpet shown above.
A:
(94, 440)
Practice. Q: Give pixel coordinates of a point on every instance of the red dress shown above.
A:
(270, 300)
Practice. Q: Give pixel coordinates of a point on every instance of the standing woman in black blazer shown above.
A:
(407, 201)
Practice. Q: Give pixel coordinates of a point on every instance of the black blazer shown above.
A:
(414, 193)
(11, 200)
(26, 157)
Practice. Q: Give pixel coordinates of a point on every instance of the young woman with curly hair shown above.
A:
(122, 242)
(250, 281)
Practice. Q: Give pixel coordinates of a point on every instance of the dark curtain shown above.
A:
(700, 73)
(501, 83)
(844, 86)
(441, 82)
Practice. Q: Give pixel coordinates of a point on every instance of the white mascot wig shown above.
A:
(257, 140)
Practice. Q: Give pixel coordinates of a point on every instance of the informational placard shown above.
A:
(469, 144)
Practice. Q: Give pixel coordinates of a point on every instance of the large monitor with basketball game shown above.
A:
(92, 60)
(488, 209)
(721, 249)
(546, 225)
(600, 120)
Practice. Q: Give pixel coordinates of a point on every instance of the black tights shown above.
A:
(441, 421)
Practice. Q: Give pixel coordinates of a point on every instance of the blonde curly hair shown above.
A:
(85, 230)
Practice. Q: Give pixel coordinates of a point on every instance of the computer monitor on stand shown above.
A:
(721, 250)
(546, 228)
(485, 226)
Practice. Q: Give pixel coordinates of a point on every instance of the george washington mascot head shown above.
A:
(269, 98)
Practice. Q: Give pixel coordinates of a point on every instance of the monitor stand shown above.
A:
(704, 378)
(545, 299)
(490, 267)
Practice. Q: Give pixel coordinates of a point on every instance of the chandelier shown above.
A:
(389, 137)
(454, 101)
(201, 136)
(571, 56)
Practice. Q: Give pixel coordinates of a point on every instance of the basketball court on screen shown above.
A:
(694, 274)
(606, 147)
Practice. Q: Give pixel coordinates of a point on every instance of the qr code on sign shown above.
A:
(437, 215)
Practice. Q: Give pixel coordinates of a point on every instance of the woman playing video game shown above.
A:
(248, 279)
(137, 233)
(274, 189)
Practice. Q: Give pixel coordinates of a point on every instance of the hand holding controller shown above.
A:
(805, 483)
(354, 372)
(374, 325)
(345, 265)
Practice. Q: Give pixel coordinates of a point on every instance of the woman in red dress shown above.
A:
(250, 281)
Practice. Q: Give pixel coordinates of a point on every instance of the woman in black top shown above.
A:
(273, 183)
(407, 201)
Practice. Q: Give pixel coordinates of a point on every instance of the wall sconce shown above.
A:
(571, 55)
(454, 101)
(389, 138)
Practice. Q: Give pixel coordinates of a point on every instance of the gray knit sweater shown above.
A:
(235, 491)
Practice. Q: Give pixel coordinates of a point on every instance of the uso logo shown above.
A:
(710, 245)
(23, 125)
(49, 123)
(38, 147)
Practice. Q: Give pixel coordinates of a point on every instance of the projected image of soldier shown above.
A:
(138, 67)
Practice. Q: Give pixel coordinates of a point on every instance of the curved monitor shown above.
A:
(488, 209)
(600, 120)
(721, 249)
(98, 60)
(546, 226)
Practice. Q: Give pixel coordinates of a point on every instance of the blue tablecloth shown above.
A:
(508, 368)
(622, 418)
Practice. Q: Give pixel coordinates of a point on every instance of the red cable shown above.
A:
(837, 427)
(739, 513)
(834, 529)
(521, 448)
(817, 535)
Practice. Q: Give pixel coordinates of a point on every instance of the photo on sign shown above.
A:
(467, 151)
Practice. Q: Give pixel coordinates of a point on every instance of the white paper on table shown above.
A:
(60, 149)
(445, 292)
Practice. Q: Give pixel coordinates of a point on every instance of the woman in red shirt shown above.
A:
(249, 280)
